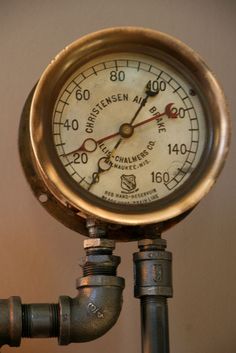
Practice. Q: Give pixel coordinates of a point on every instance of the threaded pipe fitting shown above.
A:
(40, 320)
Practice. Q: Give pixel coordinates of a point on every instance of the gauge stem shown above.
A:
(96, 229)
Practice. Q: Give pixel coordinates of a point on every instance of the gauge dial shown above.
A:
(128, 125)
(129, 128)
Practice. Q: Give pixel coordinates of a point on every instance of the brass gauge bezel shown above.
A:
(49, 168)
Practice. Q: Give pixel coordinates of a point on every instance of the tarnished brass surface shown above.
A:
(45, 171)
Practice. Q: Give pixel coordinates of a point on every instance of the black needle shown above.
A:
(144, 101)
(95, 176)
(149, 93)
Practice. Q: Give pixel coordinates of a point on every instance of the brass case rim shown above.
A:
(106, 41)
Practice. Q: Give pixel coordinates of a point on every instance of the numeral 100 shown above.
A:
(156, 86)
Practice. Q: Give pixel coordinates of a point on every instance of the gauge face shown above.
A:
(128, 125)
(129, 128)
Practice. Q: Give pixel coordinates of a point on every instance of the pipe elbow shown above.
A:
(93, 312)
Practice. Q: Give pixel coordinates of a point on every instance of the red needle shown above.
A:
(167, 112)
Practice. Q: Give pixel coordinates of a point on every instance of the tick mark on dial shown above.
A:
(66, 165)
(159, 75)
(176, 89)
(63, 102)
(95, 72)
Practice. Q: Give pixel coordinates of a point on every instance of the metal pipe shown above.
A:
(153, 285)
(89, 315)
(154, 321)
(40, 320)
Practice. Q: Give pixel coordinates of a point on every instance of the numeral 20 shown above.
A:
(80, 158)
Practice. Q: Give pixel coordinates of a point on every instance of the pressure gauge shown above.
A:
(126, 125)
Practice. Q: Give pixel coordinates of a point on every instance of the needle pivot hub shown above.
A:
(126, 130)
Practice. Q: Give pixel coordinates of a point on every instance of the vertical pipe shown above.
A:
(154, 324)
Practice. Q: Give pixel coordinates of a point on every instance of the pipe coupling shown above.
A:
(11, 321)
(152, 270)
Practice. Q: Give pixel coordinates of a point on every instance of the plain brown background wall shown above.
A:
(38, 256)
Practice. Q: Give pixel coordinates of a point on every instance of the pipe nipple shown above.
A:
(40, 320)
